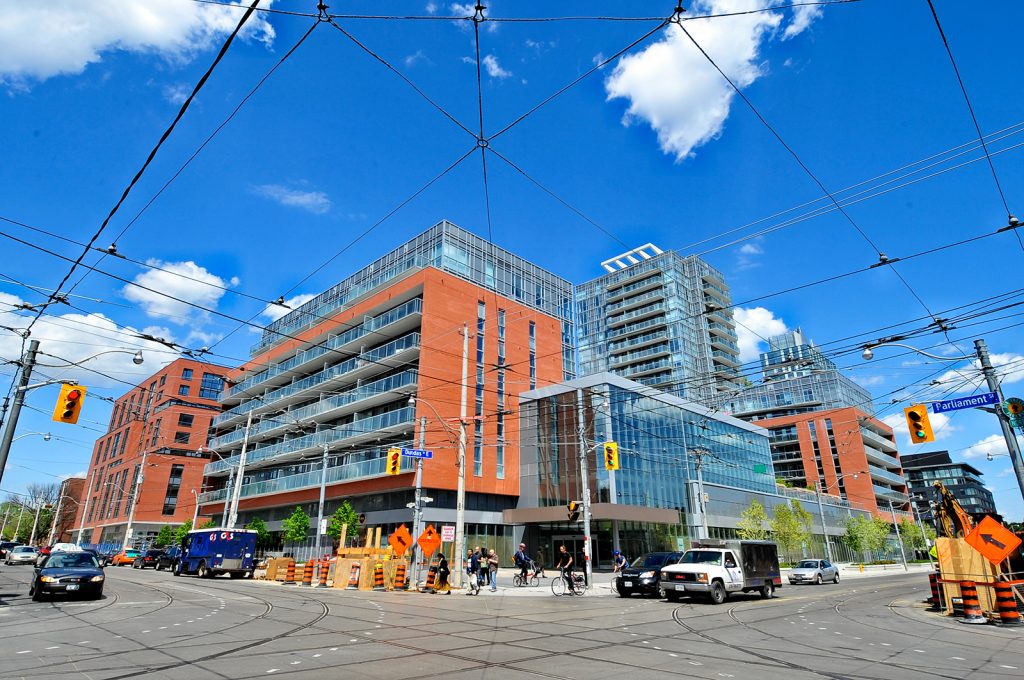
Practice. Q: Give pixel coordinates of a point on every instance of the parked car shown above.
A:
(147, 559)
(644, 574)
(68, 573)
(106, 558)
(814, 571)
(169, 558)
(5, 547)
(21, 554)
(126, 556)
(715, 569)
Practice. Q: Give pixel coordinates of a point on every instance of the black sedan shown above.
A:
(643, 576)
(70, 573)
(147, 559)
(168, 559)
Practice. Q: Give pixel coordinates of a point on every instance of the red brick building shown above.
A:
(846, 451)
(67, 510)
(340, 370)
(162, 424)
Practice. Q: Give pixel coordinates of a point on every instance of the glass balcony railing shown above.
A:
(640, 354)
(877, 439)
(717, 291)
(364, 469)
(644, 368)
(726, 357)
(633, 328)
(309, 413)
(364, 426)
(715, 326)
(890, 494)
(639, 299)
(879, 458)
(367, 327)
(886, 476)
(637, 340)
(376, 355)
(636, 285)
(637, 313)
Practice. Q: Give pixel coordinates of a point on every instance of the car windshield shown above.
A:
(71, 561)
(24, 549)
(702, 557)
(808, 564)
(650, 560)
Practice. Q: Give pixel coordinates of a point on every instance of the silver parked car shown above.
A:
(22, 554)
(814, 571)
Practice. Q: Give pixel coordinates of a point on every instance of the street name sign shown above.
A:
(973, 401)
(992, 540)
(417, 453)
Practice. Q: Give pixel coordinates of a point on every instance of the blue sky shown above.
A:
(654, 147)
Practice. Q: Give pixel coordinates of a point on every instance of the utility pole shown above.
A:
(584, 485)
(7, 514)
(236, 487)
(85, 510)
(320, 513)
(1008, 433)
(417, 511)
(920, 527)
(824, 530)
(27, 363)
(460, 501)
(896, 526)
(56, 515)
(699, 454)
(35, 522)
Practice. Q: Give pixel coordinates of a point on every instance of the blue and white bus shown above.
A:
(208, 552)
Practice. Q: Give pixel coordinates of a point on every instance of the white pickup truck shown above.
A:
(714, 569)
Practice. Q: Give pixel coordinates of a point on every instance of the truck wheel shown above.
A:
(717, 594)
(202, 571)
(768, 591)
(672, 596)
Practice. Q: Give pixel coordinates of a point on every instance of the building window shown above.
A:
(478, 424)
(533, 355)
(156, 433)
(181, 437)
(185, 419)
(173, 486)
(186, 374)
(183, 390)
(211, 386)
(163, 379)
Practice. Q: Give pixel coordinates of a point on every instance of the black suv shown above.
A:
(644, 575)
(5, 546)
(168, 559)
(147, 559)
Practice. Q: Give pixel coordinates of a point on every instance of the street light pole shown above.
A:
(584, 485)
(896, 526)
(27, 362)
(195, 515)
(699, 454)
(35, 522)
(236, 488)
(920, 527)
(56, 516)
(418, 507)
(320, 513)
(85, 510)
(460, 500)
(824, 529)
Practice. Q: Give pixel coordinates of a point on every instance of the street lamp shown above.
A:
(981, 354)
(45, 435)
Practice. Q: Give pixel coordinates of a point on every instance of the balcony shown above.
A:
(644, 369)
(890, 494)
(636, 314)
(634, 302)
(359, 398)
(364, 469)
(400, 319)
(358, 431)
(722, 329)
(635, 287)
(659, 351)
(878, 440)
(713, 277)
(637, 327)
(719, 314)
(717, 292)
(879, 458)
(727, 358)
(637, 341)
(376, 360)
(883, 475)
(720, 343)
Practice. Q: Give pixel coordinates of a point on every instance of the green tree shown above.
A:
(164, 537)
(791, 526)
(856, 536)
(878, 536)
(208, 524)
(182, 531)
(752, 523)
(262, 533)
(296, 527)
(345, 516)
(912, 535)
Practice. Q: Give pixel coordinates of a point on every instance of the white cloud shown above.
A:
(1009, 368)
(62, 37)
(803, 17)
(415, 58)
(76, 338)
(275, 312)
(81, 474)
(869, 380)
(940, 425)
(994, 444)
(752, 325)
(747, 256)
(494, 69)
(186, 281)
(431, 8)
(178, 93)
(315, 202)
(673, 88)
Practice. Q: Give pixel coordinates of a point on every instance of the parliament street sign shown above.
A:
(417, 453)
(973, 401)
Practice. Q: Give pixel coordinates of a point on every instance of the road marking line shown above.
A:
(85, 642)
(658, 648)
(1012, 668)
(334, 649)
(957, 658)
(919, 651)
(296, 663)
(26, 651)
(145, 631)
(695, 663)
(857, 638)
(273, 670)
(317, 656)
(885, 644)
(54, 647)
(673, 655)
(644, 642)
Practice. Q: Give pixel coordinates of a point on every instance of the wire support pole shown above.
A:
(85, 510)
(824, 529)
(699, 454)
(417, 508)
(899, 538)
(320, 511)
(236, 487)
(460, 499)
(27, 363)
(588, 563)
(1008, 434)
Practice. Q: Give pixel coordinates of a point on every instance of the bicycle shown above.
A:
(530, 579)
(559, 586)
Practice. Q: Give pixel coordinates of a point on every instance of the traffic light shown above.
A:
(611, 456)
(918, 424)
(394, 464)
(69, 404)
(574, 511)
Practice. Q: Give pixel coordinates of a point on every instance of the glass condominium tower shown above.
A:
(661, 320)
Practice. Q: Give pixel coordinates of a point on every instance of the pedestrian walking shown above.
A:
(492, 568)
(442, 576)
(473, 571)
(540, 563)
(481, 555)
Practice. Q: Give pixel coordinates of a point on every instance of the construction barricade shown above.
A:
(1006, 605)
(972, 608)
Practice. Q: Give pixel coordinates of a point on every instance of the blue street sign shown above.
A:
(973, 401)
(417, 453)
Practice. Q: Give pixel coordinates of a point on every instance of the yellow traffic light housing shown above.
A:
(574, 511)
(69, 404)
(611, 456)
(918, 424)
(394, 462)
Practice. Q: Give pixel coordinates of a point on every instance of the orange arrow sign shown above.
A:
(429, 540)
(401, 540)
(992, 540)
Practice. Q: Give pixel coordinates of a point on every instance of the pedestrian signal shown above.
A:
(394, 462)
(574, 511)
(69, 404)
(918, 424)
(611, 456)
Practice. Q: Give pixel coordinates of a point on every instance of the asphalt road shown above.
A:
(153, 624)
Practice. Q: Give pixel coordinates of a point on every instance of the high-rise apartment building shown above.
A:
(963, 480)
(157, 430)
(797, 378)
(661, 320)
(337, 374)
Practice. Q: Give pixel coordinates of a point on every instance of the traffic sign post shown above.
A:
(973, 401)
(417, 453)
(448, 534)
(400, 540)
(992, 540)
(429, 541)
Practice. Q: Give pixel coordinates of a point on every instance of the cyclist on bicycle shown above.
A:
(522, 560)
(565, 567)
(619, 562)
